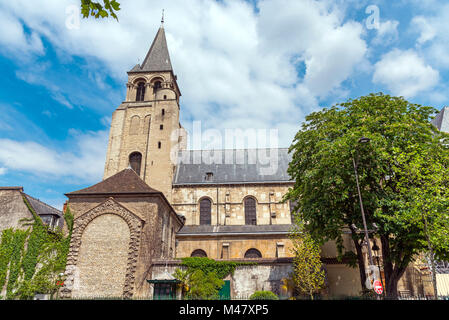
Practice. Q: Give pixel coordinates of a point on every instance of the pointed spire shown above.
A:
(441, 120)
(157, 58)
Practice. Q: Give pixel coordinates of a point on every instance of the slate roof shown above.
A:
(41, 208)
(157, 58)
(234, 229)
(234, 166)
(441, 121)
(124, 182)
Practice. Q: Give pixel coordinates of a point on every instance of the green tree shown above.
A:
(424, 184)
(325, 187)
(97, 9)
(308, 275)
(204, 286)
(183, 277)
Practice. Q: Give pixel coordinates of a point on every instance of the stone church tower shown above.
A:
(145, 130)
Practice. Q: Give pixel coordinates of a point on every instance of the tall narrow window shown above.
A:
(250, 211)
(140, 91)
(205, 211)
(135, 160)
(157, 85)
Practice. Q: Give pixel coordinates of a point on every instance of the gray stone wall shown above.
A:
(12, 209)
(265, 275)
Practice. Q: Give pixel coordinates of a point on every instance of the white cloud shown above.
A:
(231, 62)
(14, 40)
(425, 28)
(405, 73)
(2, 171)
(85, 161)
(433, 31)
(386, 33)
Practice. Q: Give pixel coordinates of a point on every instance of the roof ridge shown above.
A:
(46, 204)
(41, 202)
(133, 185)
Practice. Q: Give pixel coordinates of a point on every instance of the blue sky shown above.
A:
(258, 64)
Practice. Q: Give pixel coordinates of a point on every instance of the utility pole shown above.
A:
(371, 267)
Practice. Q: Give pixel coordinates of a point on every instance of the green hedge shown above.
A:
(263, 295)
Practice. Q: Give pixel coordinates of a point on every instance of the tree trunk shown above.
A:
(391, 283)
(360, 262)
(392, 273)
(392, 288)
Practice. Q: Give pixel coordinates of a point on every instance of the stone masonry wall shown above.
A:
(12, 209)
(141, 127)
(230, 203)
(235, 247)
(103, 258)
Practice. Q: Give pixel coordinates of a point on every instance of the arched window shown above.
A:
(253, 254)
(157, 85)
(140, 91)
(135, 160)
(205, 211)
(134, 125)
(198, 253)
(250, 211)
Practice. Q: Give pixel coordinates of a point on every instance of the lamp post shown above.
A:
(363, 140)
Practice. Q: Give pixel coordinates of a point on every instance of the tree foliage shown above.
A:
(100, 10)
(308, 274)
(202, 277)
(264, 295)
(402, 143)
(204, 285)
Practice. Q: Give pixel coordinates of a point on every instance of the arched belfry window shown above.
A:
(198, 253)
(253, 254)
(250, 211)
(135, 161)
(140, 91)
(156, 86)
(205, 211)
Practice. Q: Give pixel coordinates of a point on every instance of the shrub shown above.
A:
(264, 295)
(204, 286)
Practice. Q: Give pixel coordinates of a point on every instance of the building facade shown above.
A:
(159, 202)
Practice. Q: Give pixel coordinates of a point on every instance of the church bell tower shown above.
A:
(145, 131)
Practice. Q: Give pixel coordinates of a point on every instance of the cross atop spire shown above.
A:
(162, 20)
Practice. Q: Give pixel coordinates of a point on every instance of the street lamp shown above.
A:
(363, 140)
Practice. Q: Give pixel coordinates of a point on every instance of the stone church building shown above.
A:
(159, 202)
